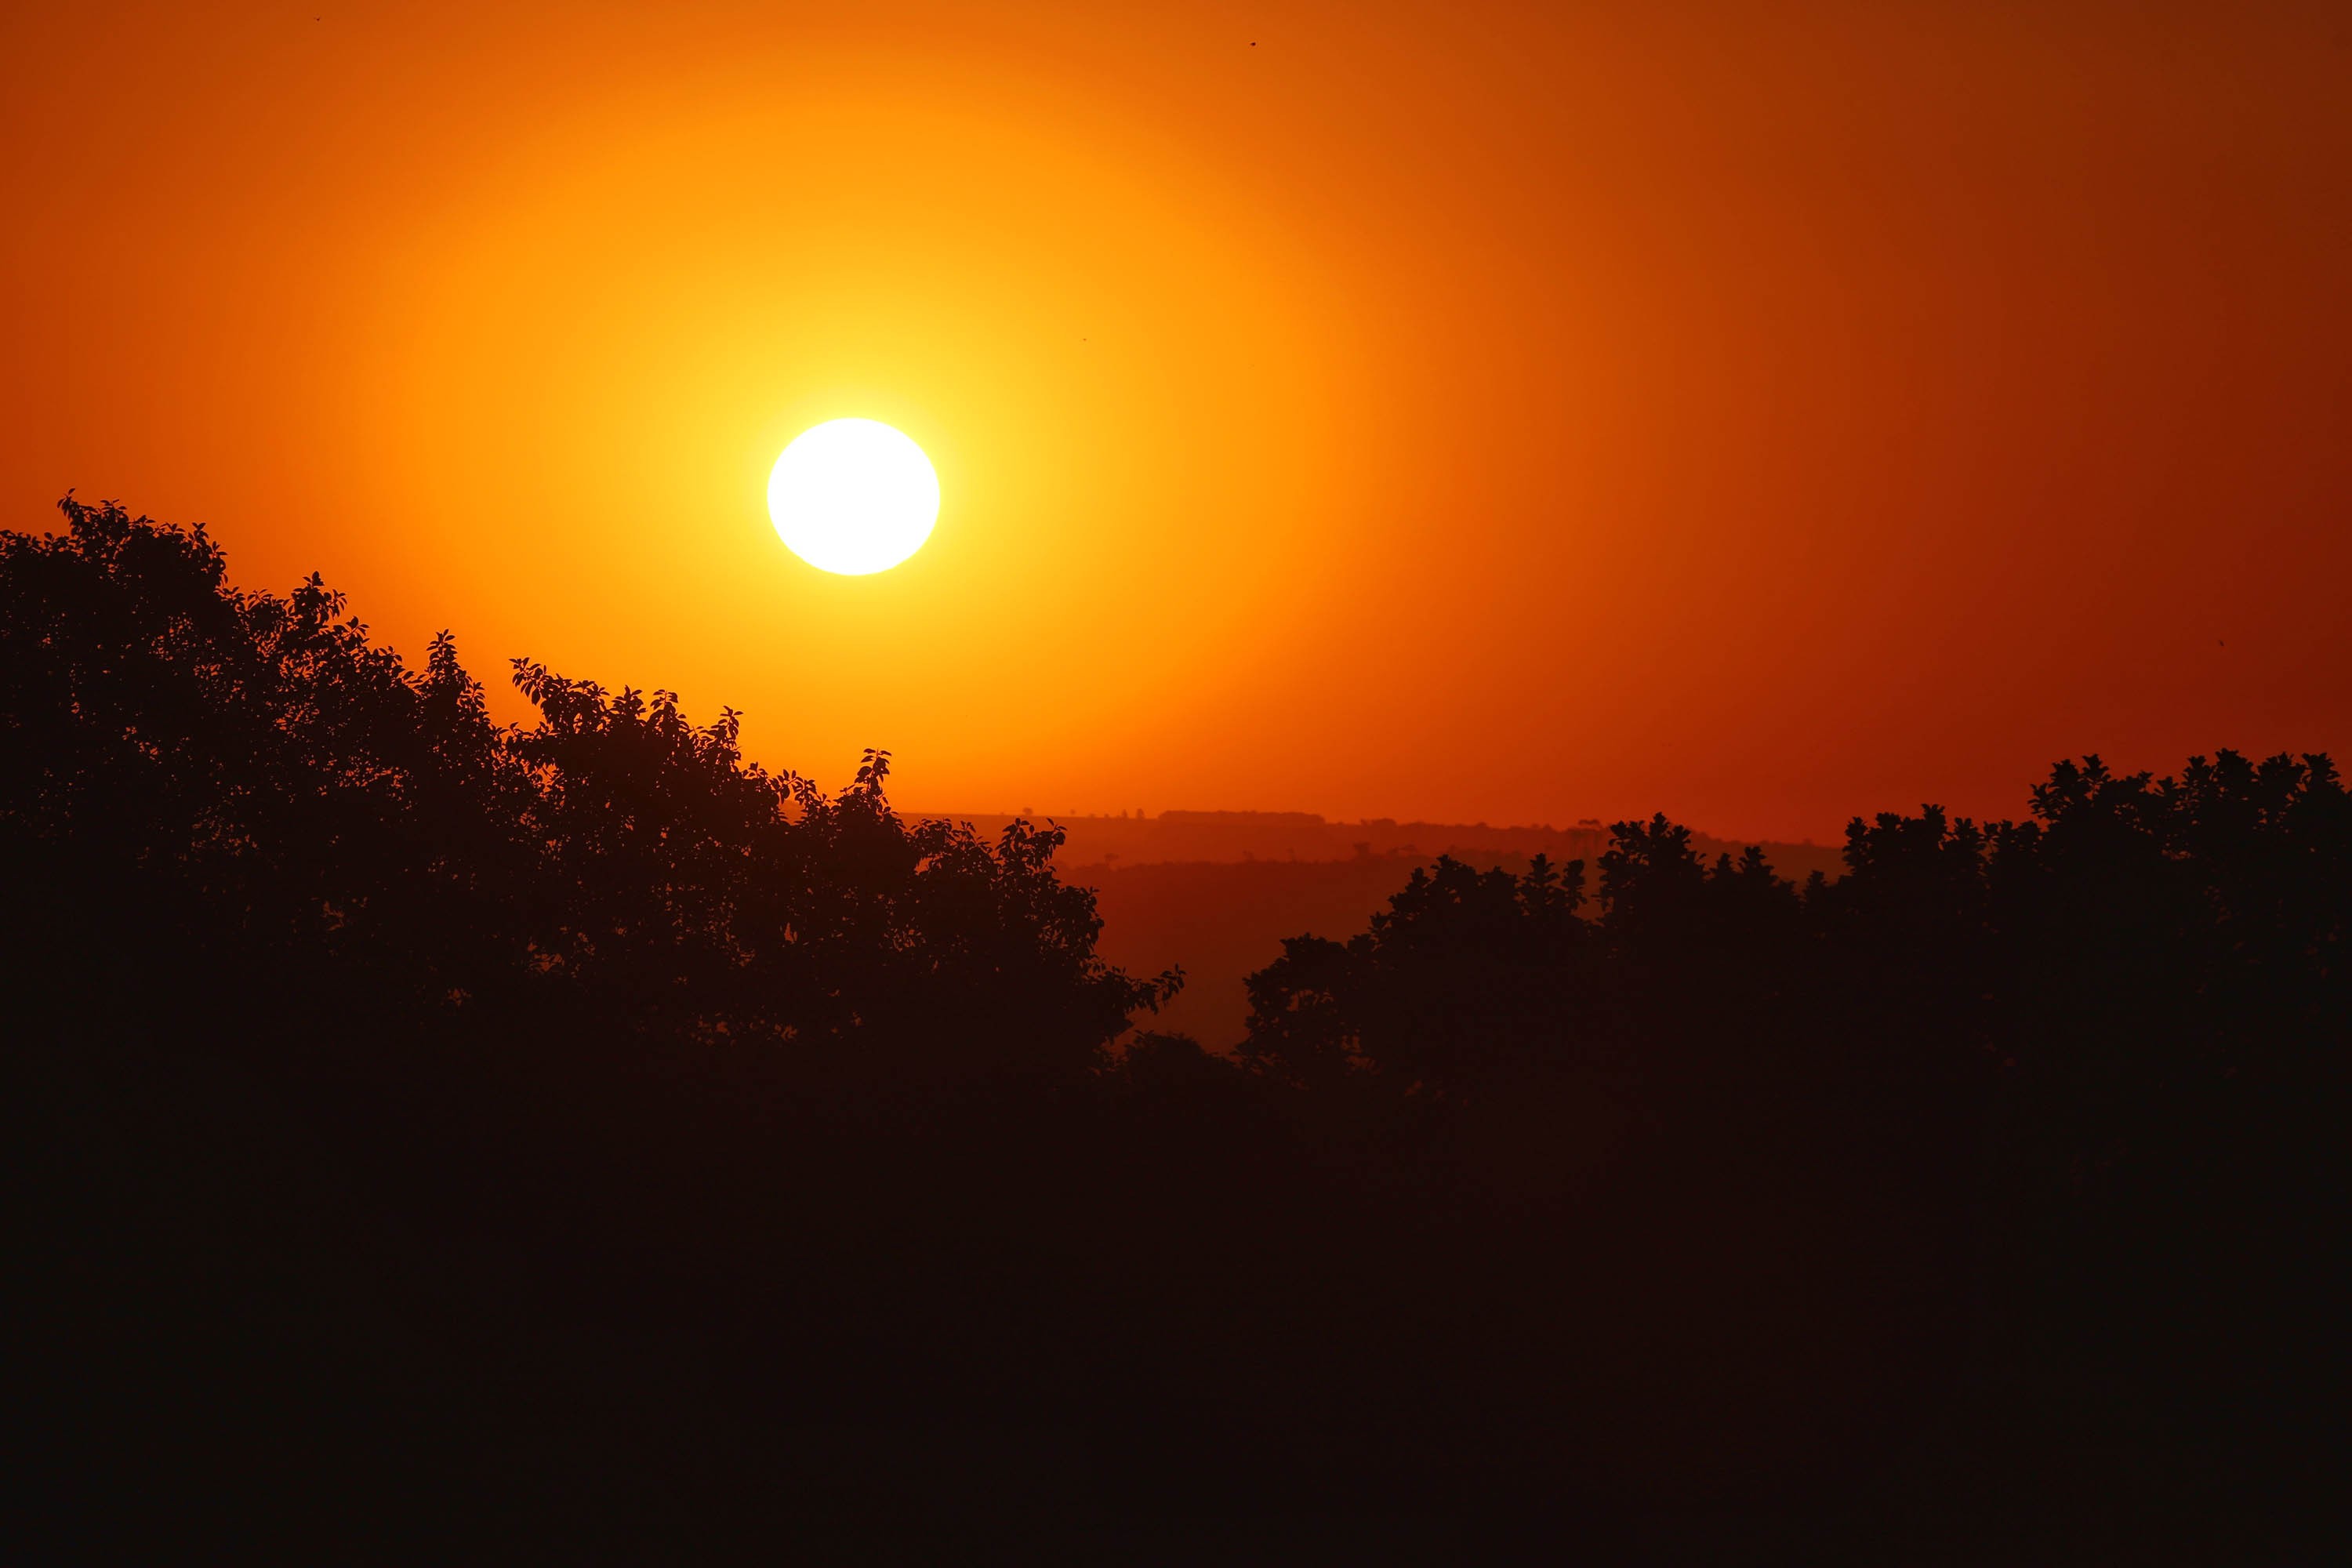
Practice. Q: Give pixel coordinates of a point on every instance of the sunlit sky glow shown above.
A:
(1501, 413)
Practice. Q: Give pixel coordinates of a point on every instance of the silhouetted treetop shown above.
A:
(2195, 924)
(299, 791)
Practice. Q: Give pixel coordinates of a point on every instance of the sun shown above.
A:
(853, 495)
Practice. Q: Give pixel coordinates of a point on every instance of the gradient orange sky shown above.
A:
(1758, 413)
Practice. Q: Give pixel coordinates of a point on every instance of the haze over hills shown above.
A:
(1215, 891)
(1239, 836)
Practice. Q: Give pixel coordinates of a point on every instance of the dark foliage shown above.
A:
(574, 1141)
(2035, 1124)
(299, 798)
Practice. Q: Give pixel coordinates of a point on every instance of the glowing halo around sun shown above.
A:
(853, 495)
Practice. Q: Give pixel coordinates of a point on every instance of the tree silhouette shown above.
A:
(577, 1126)
(305, 796)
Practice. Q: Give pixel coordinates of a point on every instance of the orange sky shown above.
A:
(1757, 413)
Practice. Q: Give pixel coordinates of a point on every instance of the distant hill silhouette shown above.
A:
(1227, 837)
(446, 1141)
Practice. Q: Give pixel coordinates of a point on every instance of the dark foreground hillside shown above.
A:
(449, 1142)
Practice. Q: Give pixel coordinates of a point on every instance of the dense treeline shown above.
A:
(574, 1137)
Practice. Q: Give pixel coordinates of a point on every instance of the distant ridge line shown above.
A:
(1241, 836)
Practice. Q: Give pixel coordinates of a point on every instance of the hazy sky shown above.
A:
(1761, 413)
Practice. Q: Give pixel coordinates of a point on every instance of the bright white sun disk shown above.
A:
(853, 495)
